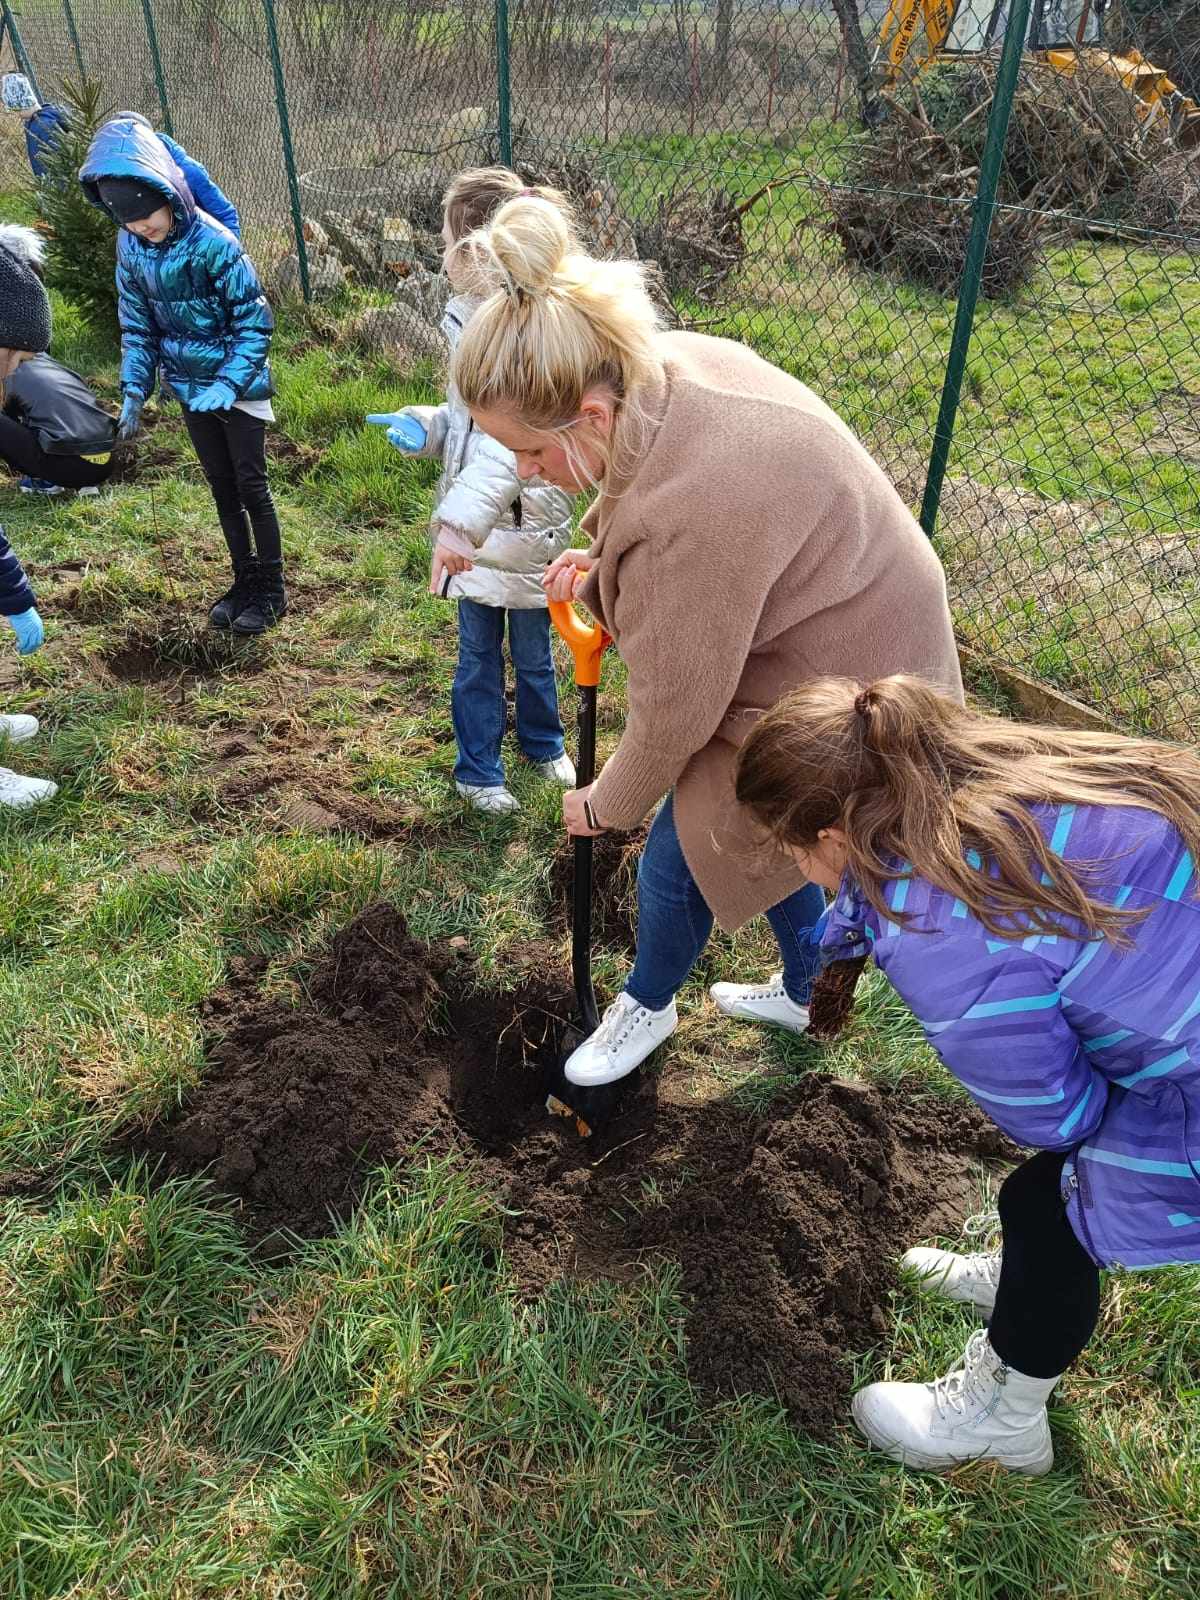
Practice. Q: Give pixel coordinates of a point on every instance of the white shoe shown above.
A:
(627, 1034)
(17, 792)
(985, 1411)
(971, 1279)
(560, 771)
(16, 728)
(495, 801)
(761, 1002)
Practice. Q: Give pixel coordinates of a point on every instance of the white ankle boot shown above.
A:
(627, 1034)
(984, 1411)
(761, 1002)
(971, 1279)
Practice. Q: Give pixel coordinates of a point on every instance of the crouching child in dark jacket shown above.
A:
(190, 304)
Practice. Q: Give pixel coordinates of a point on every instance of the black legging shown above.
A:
(232, 446)
(20, 449)
(1048, 1298)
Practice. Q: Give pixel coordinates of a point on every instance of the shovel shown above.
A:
(586, 1106)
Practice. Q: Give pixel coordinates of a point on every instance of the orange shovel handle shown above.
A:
(587, 642)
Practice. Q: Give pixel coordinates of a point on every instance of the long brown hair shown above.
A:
(912, 776)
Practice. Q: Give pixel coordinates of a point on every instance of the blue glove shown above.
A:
(131, 416)
(27, 626)
(217, 397)
(404, 432)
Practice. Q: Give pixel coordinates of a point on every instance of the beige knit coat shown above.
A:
(748, 543)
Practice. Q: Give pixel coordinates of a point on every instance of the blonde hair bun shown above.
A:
(524, 248)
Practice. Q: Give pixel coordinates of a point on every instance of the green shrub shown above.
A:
(81, 241)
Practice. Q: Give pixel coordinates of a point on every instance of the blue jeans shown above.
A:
(674, 923)
(477, 699)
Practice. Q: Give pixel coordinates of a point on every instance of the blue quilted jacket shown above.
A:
(192, 305)
(1071, 1043)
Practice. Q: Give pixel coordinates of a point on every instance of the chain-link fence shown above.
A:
(984, 258)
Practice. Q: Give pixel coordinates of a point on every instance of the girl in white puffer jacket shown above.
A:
(494, 534)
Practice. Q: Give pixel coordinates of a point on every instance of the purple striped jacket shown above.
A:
(1071, 1043)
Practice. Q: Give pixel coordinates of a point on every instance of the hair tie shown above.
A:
(527, 194)
(863, 704)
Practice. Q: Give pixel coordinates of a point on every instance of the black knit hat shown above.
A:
(24, 308)
(129, 199)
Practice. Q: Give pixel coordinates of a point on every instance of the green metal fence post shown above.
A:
(503, 86)
(289, 154)
(74, 32)
(18, 44)
(155, 56)
(968, 288)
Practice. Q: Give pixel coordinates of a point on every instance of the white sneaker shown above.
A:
(627, 1034)
(761, 1002)
(17, 792)
(16, 728)
(495, 801)
(971, 1279)
(984, 1411)
(560, 771)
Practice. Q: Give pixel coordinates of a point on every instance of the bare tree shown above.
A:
(724, 40)
(858, 58)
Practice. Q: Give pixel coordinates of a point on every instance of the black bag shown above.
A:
(57, 405)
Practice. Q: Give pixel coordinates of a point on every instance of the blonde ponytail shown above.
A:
(556, 322)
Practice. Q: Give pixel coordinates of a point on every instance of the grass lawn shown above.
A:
(381, 1411)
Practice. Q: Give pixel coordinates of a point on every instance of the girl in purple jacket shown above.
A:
(1032, 895)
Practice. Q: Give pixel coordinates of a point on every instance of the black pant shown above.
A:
(19, 447)
(1048, 1298)
(232, 447)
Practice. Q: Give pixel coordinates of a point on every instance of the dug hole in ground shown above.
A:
(784, 1226)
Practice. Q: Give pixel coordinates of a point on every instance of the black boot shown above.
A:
(235, 598)
(268, 600)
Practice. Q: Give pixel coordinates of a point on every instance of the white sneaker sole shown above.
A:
(1033, 1462)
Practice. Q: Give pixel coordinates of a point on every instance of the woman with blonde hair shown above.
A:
(1031, 893)
(741, 540)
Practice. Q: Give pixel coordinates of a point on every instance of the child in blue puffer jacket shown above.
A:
(190, 304)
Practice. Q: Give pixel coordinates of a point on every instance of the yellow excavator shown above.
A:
(1063, 34)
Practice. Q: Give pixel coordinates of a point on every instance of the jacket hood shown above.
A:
(129, 148)
(24, 243)
(460, 308)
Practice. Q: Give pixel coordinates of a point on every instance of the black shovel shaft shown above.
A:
(581, 898)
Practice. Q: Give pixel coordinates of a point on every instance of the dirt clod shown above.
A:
(783, 1227)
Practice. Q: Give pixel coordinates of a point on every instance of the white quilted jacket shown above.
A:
(516, 528)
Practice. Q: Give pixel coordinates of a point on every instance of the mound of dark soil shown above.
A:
(784, 1227)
